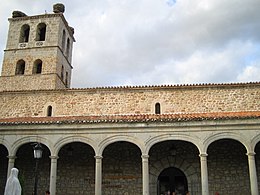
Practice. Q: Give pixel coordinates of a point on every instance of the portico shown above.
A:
(130, 160)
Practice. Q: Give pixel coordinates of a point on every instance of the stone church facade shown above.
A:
(135, 140)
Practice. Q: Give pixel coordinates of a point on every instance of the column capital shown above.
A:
(250, 154)
(145, 156)
(12, 157)
(98, 157)
(203, 154)
(53, 157)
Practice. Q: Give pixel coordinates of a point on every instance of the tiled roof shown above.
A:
(138, 118)
(176, 86)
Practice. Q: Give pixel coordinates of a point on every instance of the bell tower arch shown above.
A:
(38, 52)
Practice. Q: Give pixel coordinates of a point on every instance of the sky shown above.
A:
(155, 42)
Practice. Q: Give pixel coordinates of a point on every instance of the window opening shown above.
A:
(24, 34)
(157, 108)
(63, 40)
(37, 68)
(61, 73)
(20, 67)
(49, 111)
(41, 32)
(68, 48)
(66, 79)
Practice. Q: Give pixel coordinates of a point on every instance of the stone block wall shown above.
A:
(46, 55)
(34, 82)
(52, 52)
(112, 101)
(55, 24)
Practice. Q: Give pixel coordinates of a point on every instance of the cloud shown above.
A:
(250, 73)
(137, 42)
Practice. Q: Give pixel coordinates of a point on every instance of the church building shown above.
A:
(129, 140)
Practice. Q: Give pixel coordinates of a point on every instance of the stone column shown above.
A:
(145, 166)
(252, 173)
(53, 174)
(204, 174)
(98, 177)
(10, 164)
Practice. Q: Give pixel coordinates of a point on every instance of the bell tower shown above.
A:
(38, 52)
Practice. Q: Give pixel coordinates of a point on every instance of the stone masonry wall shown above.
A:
(50, 51)
(46, 55)
(34, 82)
(83, 102)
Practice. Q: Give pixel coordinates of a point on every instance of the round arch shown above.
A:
(71, 139)
(171, 137)
(190, 171)
(226, 135)
(16, 145)
(6, 144)
(117, 138)
(255, 141)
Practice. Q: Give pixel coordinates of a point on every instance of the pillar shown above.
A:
(98, 177)
(145, 167)
(53, 174)
(252, 173)
(10, 164)
(204, 174)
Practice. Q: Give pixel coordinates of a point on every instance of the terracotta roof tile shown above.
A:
(199, 85)
(139, 118)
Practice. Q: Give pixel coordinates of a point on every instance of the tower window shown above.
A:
(49, 111)
(61, 73)
(63, 40)
(20, 67)
(41, 32)
(37, 67)
(68, 48)
(66, 79)
(24, 34)
(157, 108)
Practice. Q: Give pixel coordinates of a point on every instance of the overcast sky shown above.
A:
(155, 42)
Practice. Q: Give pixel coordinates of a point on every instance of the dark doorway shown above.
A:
(172, 179)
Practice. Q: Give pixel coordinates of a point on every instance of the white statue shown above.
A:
(13, 186)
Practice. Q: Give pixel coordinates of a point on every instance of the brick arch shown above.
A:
(102, 145)
(17, 144)
(71, 139)
(171, 137)
(226, 135)
(189, 171)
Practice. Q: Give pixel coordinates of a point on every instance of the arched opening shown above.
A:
(62, 73)
(63, 40)
(228, 167)
(157, 108)
(3, 167)
(41, 32)
(24, 34)
(173, 165)
(68, 48)
(76, 169)
(37, 67)
(20, 67)
(26, 164)
(66, 79)
(172, 179)
(122, 169)
(257, 162)
(49, 111)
